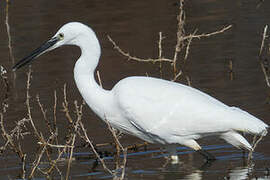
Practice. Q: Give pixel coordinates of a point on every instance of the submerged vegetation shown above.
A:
(53, 149)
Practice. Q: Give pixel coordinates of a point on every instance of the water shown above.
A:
(135, 25)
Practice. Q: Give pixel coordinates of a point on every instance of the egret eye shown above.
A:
(61, 36)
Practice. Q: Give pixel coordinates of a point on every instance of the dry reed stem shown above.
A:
(3, 74)
(54, 118)
(263, 39)
(188, 46)
(231, 69)
(188, 80)
(79, 117)
(17, 131)
(160, 52)
(53, 131)
(118, 148)
(54, 162)
(44, 114)
(70, 155)
(8, 33)
(54, 110)
(260, 58)
(11, 56)
(37, 160)
(38, 135)
(179, 35)
(23, 167)
(9, 139)
(255, 143)
(177, 75)
(27, 102)
(71, 139)
(65, 105)
(55, 145)
(59, 172)
(99, 80)
(94, 150)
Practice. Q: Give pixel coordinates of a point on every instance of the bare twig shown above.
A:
(136, 58)
(208, 34)
(3, 74)
(65, 105)
(44, 114)
(54, 109)
(99, 80)
(9, 139)
(23, 166)
(231, 69)
(160, 53)
(37, 160)
(177, 75)
(54, 162)
(255, 143)
(54, 118)
(188, 46)
(79, 117)
(27, 102)
(94, 150)
(188, 80)
(70, 155)
(8, 33)
(263, 39)
(55, 145)
(179, 35)
(260, 57)
(17, 131)
(118, 148)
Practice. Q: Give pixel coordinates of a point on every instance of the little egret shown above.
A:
(155, 110)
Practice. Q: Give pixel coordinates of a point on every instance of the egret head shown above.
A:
(72, 33)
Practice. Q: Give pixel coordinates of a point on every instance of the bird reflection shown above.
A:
(247, 172)
(240, 173)
(187, 170)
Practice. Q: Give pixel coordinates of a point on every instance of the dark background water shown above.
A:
(135, 25)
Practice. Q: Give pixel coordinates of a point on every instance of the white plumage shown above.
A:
(155, 110)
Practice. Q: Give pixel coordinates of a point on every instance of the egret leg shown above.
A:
(171, 148)
(236, 140)
(208, 156)
(195, 146)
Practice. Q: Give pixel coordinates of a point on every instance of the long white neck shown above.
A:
(96, 97)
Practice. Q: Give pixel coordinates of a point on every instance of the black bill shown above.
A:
(37, 52)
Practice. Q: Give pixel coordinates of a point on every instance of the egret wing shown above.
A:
(165, 108)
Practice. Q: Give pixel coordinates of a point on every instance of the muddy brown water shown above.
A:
(135, 25)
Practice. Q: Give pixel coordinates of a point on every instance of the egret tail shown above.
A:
(248, 123)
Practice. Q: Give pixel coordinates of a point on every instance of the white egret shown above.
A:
(155, 110)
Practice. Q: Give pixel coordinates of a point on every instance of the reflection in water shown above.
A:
(240, 173)
(184, 170)
(191, 173)
(246, 172)
(187, 169)
(196, 175)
